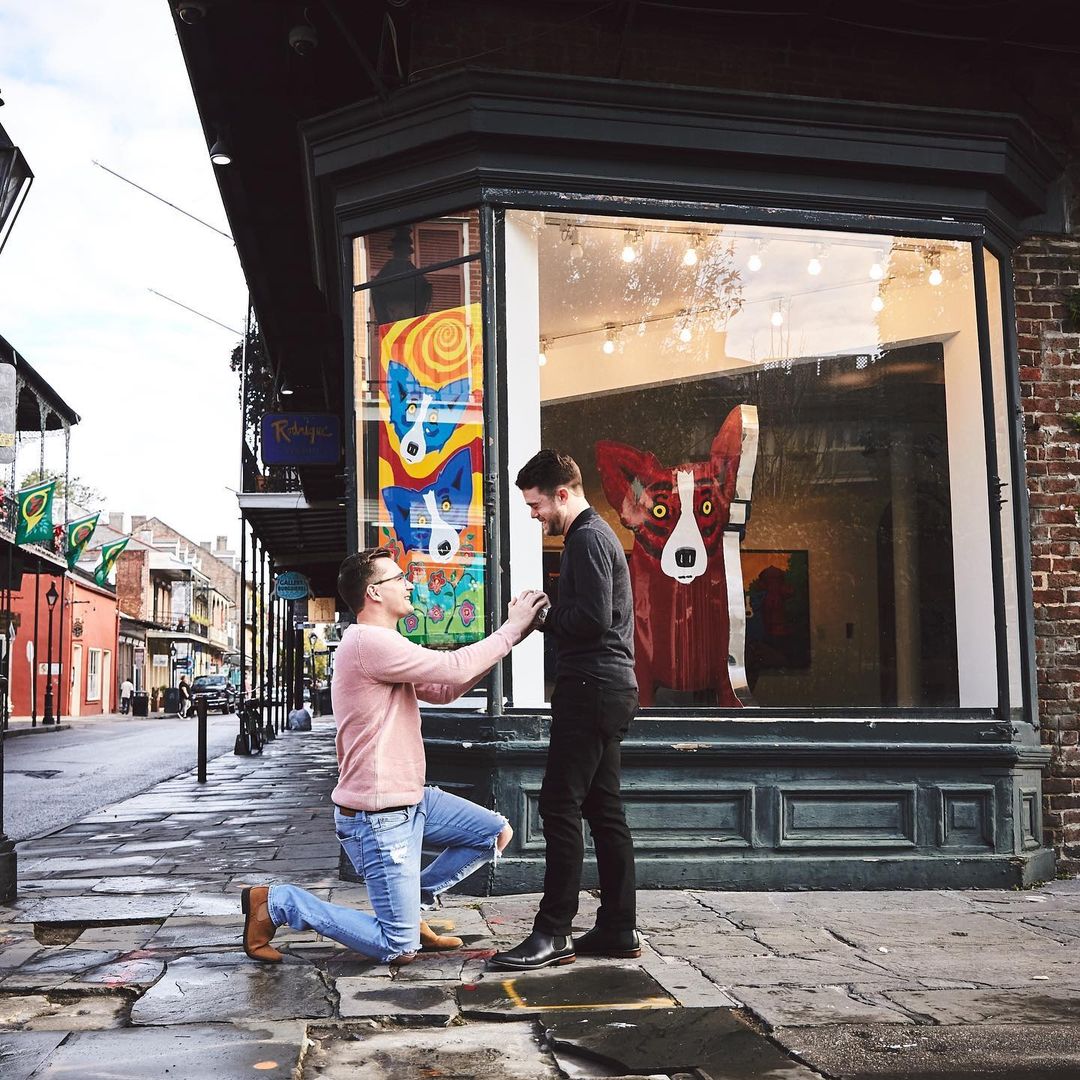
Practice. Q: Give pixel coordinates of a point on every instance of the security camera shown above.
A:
(191, 11)
(303, 39)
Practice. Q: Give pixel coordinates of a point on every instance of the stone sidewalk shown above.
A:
(120, 959)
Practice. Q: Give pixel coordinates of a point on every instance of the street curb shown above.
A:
(12, 733)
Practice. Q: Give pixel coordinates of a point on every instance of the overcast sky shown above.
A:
(159, 436)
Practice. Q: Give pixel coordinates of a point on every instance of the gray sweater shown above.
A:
(593, 621)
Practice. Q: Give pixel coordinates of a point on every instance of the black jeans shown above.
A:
(582, 778)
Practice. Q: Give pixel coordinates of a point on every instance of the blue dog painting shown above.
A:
(424, 417)
(430, 518)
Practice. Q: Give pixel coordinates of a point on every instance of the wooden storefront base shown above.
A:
(809, 803)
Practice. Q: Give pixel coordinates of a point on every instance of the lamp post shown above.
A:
(50, 598)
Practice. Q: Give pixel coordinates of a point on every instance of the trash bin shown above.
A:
(172, 699)
(323, 706)
(140, 703)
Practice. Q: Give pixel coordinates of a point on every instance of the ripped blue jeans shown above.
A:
(385, 848)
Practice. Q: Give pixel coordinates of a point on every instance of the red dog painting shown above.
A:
(684, 637)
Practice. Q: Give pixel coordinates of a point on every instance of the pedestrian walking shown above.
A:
(594, 699)
(384, 812)
(127, 688)
(185, 697)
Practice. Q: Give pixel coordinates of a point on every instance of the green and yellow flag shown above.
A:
(109, 554)
(78, 536)
(35, 514)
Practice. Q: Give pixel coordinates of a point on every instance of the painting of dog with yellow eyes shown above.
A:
(677, 514)
(423, 417)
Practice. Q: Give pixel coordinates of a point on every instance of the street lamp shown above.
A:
(50, 598)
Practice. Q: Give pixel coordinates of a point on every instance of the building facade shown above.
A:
(181, 596)
(804, 322)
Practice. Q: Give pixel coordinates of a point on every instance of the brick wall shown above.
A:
(1050, 378)
(131, 583)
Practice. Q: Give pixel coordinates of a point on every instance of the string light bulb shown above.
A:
(690, 256)
(813, 267)
(877, 271)
(777, 317)
(631, 245)
(686, 330)
(755, 263)
(877, 304)
(935, 277)
(542, 359)
(610, 332)
(570, 235)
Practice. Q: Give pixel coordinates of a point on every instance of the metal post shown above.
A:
(242, 746)
(33, 667)
(60, 651)
(268, 608)
(286, 637)
(49, 719)
(200, 712)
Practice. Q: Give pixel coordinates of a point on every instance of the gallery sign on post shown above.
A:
(291, 585)
(301, 439)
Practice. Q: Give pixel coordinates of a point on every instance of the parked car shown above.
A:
(218, 692)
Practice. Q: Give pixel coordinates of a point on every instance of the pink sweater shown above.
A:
(378, 676)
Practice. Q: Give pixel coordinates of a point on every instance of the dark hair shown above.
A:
(549, 470)
(356, 573)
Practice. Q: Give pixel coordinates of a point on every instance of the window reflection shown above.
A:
(836, 377)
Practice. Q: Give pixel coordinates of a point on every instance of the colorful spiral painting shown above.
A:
(431, 469)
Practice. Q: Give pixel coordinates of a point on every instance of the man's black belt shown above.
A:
(349, 812)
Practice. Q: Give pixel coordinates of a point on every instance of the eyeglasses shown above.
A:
(393, 577)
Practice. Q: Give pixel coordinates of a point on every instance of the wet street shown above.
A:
(52, 779)
(120, 958)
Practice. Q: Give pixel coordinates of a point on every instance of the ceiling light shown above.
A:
(285, 389)
(570, 235)
(935, 276)
(219, 152)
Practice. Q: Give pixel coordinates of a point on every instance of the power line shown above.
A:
(145, 191)
(231, 329)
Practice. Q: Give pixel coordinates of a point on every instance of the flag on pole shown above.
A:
(35, 514)
(78, 536)
(109, 554)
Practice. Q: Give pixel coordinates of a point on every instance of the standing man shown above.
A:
(594, 700)
(127, 688)
(384, 813)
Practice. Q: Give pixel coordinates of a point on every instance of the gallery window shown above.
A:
(785, 429)
(418, 362)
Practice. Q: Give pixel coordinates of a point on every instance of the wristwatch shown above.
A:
(542, 617)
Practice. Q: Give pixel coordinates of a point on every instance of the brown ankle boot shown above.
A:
(432, 942)
(259, 928)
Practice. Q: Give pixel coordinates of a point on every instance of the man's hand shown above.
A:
(524, 609)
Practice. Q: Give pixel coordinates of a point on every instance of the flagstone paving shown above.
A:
(120, 958)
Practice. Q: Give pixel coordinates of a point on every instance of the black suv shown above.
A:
(218, 693)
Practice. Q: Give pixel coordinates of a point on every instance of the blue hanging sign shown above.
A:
(301, 439)
(291, 585)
